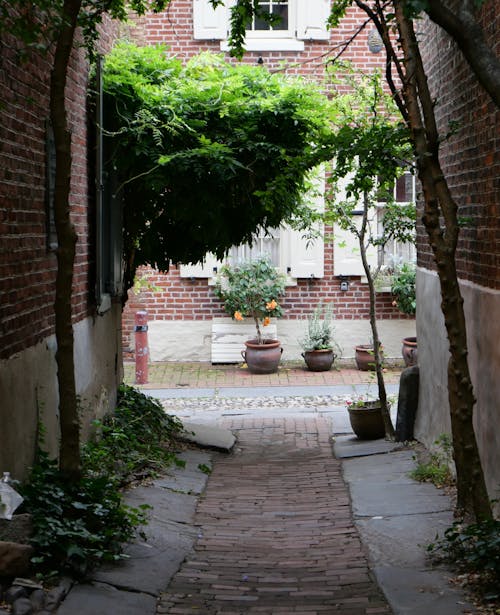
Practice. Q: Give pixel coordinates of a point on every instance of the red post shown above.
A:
(141, 347)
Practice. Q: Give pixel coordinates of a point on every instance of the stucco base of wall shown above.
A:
(483, 333)
(28, 389)
(191, 340)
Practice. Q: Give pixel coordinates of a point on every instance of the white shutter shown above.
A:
(209, 23)
(207, 269)
(312, 16)
(306, 257)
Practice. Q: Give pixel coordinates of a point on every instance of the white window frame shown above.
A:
(299, 255)
(306, 22)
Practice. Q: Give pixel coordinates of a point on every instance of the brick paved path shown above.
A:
(276, 534)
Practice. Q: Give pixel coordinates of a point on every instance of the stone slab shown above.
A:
(351, 446)
(101, 599)
(209, 436)
(420, 592)
(190, 479)
(380, 498)
(401, 540)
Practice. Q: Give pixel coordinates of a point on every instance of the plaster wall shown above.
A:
(483, 333)
(29, 396)
(171, 340)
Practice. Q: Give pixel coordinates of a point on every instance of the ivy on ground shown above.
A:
(78, 525)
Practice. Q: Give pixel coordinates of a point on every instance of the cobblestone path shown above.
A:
(276, 533)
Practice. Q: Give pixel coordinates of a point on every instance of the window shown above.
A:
(278, 10)
(289, 250)
(300, 20)
(347, 258)
(395, 253)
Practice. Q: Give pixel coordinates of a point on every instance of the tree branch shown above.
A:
(463, 26)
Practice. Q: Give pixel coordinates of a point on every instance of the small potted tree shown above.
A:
(320, 349)
(252, 289)
(371, 151)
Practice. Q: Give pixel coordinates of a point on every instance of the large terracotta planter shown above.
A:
(366, 420)
(319, 360)
(365, 357)
(410, 351)
(262, 358)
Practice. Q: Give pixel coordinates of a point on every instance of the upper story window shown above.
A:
(300, 20)
(279, 11)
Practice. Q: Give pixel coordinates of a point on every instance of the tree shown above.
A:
(204, 154)
(407, 80)
(461, 22)
(370, 149)
(54, 27)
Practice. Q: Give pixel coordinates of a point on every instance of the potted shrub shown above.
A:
(365, 416)
(403, 290)
(318, 345)
(252, 289)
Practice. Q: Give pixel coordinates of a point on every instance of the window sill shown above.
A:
(270, 44)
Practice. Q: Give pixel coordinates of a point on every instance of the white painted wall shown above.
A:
(28, 388)
(482, 307)
(191, 340)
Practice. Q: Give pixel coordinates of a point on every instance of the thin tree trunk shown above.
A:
(69, 456)
(382, 394)
(439, 206)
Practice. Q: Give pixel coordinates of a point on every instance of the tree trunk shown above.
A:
(461, 24)
(382, 394)
(69, 456)
(439, 207)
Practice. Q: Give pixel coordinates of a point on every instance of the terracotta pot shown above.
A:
(365, 358)
(366, 420)
(319, 360)
(262, 358)
(410, 351)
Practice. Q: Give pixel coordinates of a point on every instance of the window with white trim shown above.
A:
(395, 252)
(300, 20)
(347, 257)
(293, 252)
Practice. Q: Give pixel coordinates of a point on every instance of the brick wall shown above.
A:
(178, 298)
(470, 158)
(27, 265)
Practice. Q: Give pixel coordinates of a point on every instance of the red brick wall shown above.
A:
(470, 158)
(27, 267)
(182, 299)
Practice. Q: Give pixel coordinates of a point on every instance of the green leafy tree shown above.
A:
(394, 21)
(204, 154)
(369, 148)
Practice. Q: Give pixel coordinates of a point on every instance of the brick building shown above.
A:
(181, 306)
(28, 373)
(471, 162)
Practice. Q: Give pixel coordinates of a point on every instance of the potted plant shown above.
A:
(252, 289)
(403, 290)
(365, 416)
(318, 346)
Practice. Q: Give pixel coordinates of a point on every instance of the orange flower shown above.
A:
(238, 316)
(266, 321)
(272, 305)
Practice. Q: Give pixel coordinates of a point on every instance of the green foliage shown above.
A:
(81, 524)
(320, 331)
(133, 440)
(251, 289)
(370, 148)
(77, 525)
(206, 153)
(403, 288)
(473, 549)
(437, 469)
